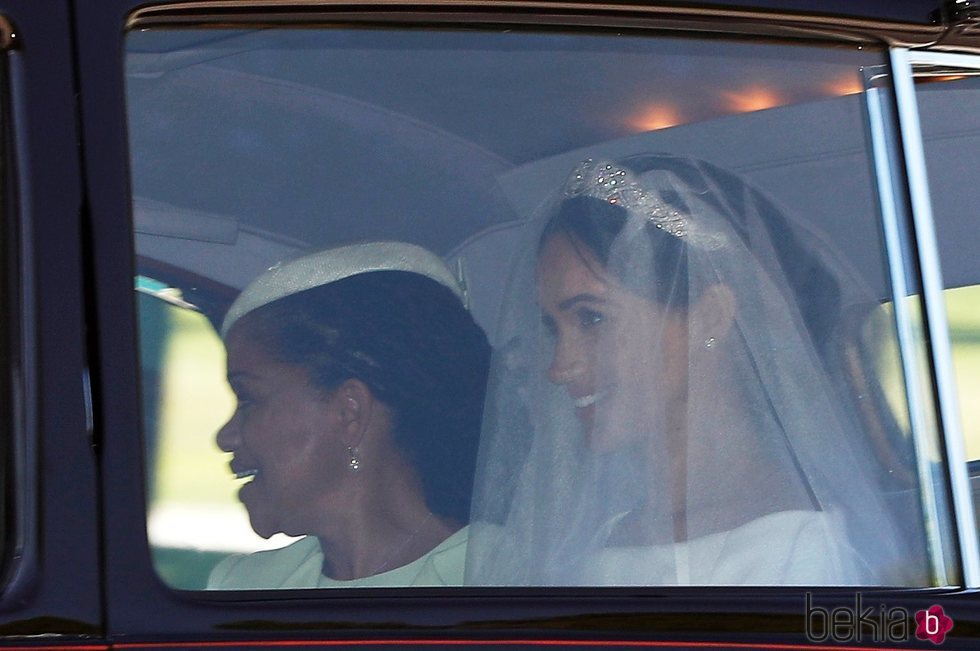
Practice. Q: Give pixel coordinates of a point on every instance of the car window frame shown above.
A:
(907, 65)
(903, 62)
(101, 49)
(54, 477)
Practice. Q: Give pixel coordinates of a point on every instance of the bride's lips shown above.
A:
(591, 399)
(585, 402)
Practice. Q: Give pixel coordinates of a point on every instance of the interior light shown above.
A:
(849, 85)
(657, 116)
(755, 98)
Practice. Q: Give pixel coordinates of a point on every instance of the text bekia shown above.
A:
(857, 624)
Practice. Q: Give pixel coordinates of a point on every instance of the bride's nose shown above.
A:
(568, 362)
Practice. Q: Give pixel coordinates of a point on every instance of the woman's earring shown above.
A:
(709, 342)
(355, 463)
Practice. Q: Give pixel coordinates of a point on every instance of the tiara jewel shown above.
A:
(607, 181)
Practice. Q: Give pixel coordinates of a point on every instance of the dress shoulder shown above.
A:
(296, 565)
(783, 548)
(788, 548)
(300, 565)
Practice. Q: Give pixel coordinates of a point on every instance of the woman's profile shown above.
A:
(360, 379)
(671, 404)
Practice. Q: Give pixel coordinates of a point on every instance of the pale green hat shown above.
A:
(329, 266)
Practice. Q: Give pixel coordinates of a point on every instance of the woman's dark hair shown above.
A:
(411, 341)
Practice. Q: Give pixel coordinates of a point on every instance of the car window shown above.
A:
(950, 147)
(518, 308)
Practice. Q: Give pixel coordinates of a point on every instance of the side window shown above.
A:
(519, 308)
(952, 147)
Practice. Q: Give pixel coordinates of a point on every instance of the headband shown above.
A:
(328, 266)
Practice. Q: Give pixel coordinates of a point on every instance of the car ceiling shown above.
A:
(307, 138)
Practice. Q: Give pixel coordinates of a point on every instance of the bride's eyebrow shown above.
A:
(572, 301)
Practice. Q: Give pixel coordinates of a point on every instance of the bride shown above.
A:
(676, 400)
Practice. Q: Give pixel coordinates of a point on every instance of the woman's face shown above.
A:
(621, 358)
(286, 438)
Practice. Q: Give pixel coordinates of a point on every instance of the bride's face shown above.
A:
(622, 358)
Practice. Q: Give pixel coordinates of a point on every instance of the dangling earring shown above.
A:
(709, 342)
(355, 463)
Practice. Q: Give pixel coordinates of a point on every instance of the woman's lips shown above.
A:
(243, 470)
(590, 399)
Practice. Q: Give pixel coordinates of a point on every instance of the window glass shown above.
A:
(952, 147)
(517, 308)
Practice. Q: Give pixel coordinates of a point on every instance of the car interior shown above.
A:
(287, 144)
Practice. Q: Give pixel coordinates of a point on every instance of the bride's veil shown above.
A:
(680, 395)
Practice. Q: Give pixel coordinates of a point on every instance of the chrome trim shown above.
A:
(261, 13)
(961, 11)
(961, 19)
(886, 161)
(943, 71)
(945, 61)
(932, 289)
(89, 410)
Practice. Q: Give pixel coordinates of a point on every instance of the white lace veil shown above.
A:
(680, 397)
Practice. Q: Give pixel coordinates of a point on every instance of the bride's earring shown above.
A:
(355, 463)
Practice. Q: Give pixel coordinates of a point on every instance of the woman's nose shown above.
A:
(568, 362)
(228, 437)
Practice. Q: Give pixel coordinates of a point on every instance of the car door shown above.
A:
(51, 554)
(221, 139)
